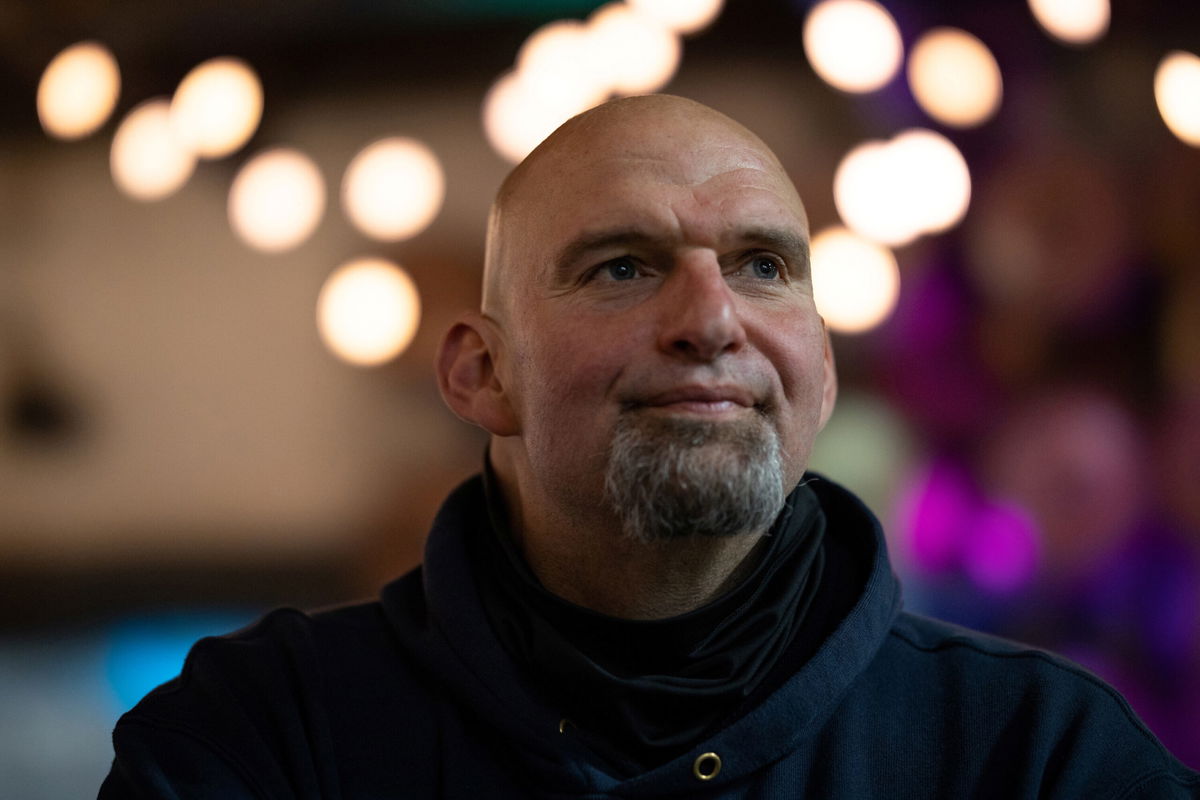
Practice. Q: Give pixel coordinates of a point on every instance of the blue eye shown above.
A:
(621, 269)
(764, 267)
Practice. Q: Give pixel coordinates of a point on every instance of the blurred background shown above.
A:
(232, 233)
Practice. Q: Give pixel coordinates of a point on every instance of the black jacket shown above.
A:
(413, 697)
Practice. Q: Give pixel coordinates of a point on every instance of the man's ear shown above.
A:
(466, 370)
(829, 393)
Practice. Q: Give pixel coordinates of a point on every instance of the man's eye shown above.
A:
(621, 269)
(764, 267)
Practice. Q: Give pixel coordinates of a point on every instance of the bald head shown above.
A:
(674, 135)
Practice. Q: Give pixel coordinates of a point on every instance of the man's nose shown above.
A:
(698, 311)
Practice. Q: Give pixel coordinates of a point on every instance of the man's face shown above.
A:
(660, 285)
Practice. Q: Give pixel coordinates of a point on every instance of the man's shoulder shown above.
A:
(275, 703)
(980, 698)
(989, 665)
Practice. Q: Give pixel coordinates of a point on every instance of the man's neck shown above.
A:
(607, 572)
(587, 560)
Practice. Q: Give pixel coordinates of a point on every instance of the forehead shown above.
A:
(693, 188)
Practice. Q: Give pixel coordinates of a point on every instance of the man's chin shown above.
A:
(675, 476)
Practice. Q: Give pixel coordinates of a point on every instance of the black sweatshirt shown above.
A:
(413, 696)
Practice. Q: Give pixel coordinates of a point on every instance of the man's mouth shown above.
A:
(704, 400)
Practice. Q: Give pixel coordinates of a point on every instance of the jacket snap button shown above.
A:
(706, 766)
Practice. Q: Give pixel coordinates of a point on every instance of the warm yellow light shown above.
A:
(638, 53)
(368, 311)
(681, 16)
(147, 159)
(78, 90)
(894, 191)
(393, 189)
(954, 77)
(560, 64)
(217, 107)
(1072, 21)
(939, 182)
(856, 282)
(1177, 92)
(276, 200)
(864, 192)
(516, 118)
(853, 45)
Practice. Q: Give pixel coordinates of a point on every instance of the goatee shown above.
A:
(672, 477)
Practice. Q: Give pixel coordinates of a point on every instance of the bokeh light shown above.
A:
(393, 188)
(856, 282)
(149, 649)
(368, 311)
(681, 16)
(276, 200)
(640, 54)
(147, 159)
(566, 67)
(1177, 92)
(559, 64)
(853, 45)
(895, 191)
(516, 118)
(937, 510)
(1072, 21)
(941, 181)
(954, 77)
(1001, 553)
(217, 107)
(78, 90)
(868, 445)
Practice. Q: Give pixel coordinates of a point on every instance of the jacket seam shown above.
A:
(1161, 773)
(1045, 658)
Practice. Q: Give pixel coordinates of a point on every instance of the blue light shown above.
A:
(148, 650)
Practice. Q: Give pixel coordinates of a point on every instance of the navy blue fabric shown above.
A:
(413, 697)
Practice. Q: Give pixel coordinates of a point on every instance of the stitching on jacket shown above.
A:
(1162, 773)
(1122, 703)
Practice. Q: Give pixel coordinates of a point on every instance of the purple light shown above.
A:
(938, 509)
(1001, 553)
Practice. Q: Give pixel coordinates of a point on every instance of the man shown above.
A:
(643, 595)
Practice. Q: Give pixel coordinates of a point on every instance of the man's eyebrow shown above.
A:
(587, 242)
(788, 243)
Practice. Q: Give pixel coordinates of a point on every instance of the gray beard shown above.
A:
(669, 478)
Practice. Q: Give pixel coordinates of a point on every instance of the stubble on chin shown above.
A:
(673, 477)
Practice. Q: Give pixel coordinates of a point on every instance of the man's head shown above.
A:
(648, 348)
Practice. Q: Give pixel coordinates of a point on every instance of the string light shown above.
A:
(78, 91)
(393, 188)
(559, 63)
(894, 191)
(641, 55)
(682, 16)
(148, 161)
(1074, 22)
(853, 45)
(368, 311)
(954, 77)
(217, 107)
(566, 67)
(856, 282)
(276, 200)
(1177, 92)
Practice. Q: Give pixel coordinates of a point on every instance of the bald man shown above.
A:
(643, 594)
